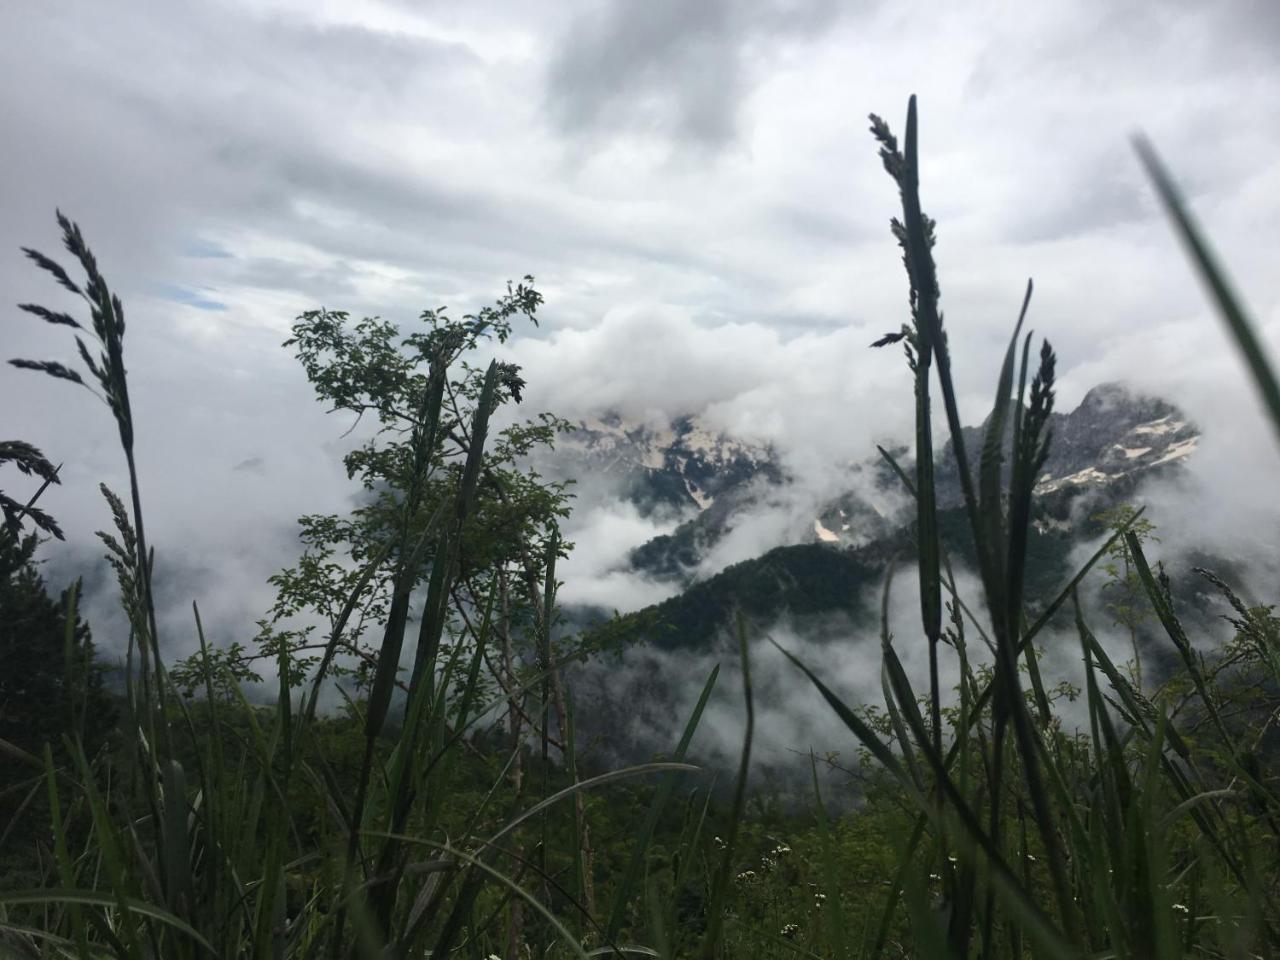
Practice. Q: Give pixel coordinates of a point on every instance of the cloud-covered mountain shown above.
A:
(696, 193)
(716, 484)
(818, 587)
(1114, 436)
(678, 467)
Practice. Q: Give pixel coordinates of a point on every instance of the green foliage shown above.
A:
(1001, 822)
(1126, 599)
(29, 461)
(1056, 844)
(409, 470)
(51, 685)
(50, 678)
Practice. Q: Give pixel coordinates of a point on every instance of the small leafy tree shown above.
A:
(499, 561)
(192, 847)
(51, 681)
(370, 369)
(365, 371)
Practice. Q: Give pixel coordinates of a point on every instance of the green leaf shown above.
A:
(1230, 308)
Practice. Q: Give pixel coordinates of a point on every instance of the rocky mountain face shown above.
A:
(680, 467)
(1114, 438)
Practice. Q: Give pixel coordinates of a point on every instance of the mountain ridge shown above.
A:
(1114, 437)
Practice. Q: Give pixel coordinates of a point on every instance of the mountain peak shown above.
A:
(1115, 433)
(681, 462)
(1111, 440)
(1112, 398)
(1106, 395)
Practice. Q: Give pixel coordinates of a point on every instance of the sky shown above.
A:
(692, 185)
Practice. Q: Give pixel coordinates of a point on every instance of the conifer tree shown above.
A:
(51, 681)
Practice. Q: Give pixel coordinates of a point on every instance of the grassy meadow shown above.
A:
(434, 805)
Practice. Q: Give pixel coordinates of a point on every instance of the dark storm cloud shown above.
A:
(681, 69)
(218, 117)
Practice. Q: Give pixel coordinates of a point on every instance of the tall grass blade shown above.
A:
(720, 881)
(1211, 272)
(130, 906)
(834, 918)
(627, 883)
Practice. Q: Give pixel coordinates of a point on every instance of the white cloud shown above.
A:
(727, 252)
(792, 718)
(596, 573)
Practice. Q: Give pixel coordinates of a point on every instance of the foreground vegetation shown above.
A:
(407, 823)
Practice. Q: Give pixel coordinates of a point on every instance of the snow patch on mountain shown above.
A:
(825, 535)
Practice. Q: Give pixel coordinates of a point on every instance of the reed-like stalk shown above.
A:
(1105, 867)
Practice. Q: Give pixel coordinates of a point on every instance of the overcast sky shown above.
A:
(691, 183)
